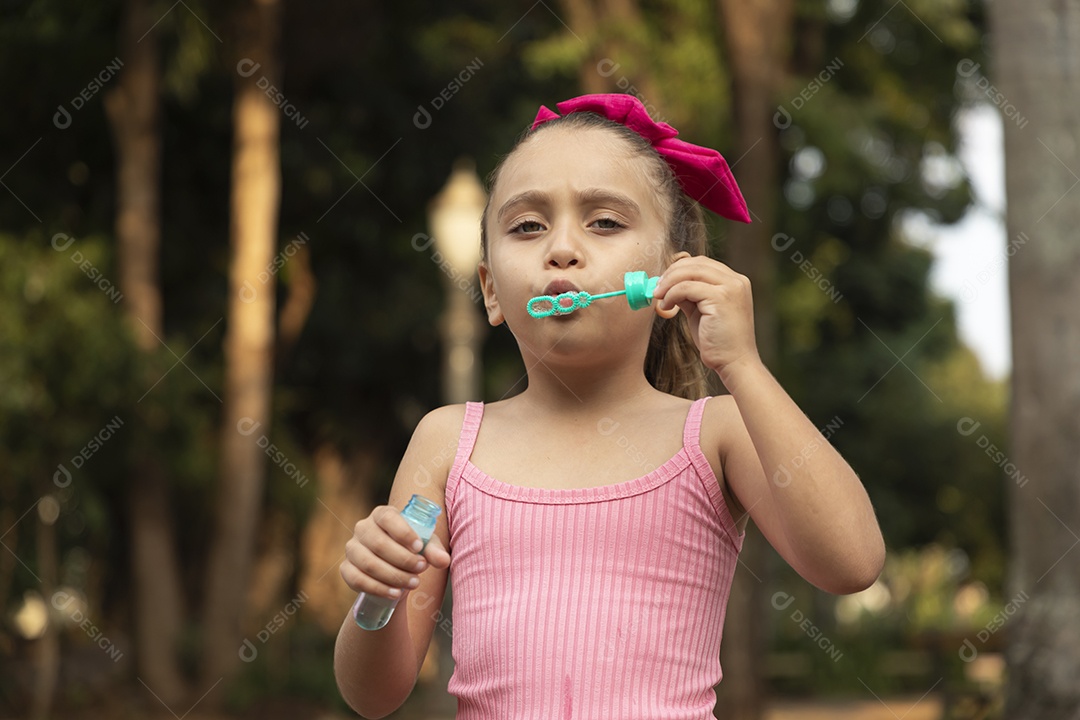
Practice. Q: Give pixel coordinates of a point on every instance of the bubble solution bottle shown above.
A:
(372, 612)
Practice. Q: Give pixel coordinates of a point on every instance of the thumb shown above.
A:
(436, 554)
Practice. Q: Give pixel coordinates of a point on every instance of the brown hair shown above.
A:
(672, 362)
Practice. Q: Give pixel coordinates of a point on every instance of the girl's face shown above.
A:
(572, 210)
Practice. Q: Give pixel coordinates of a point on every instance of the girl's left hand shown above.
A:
(719, 305)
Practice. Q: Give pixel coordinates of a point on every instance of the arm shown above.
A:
(808, 502)
(803, 495)
(376, 670)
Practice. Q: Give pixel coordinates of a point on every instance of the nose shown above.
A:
(564, 249)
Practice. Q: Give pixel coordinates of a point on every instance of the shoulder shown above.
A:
(723, 435)
(430, 454)
(435, 439)
(440, 423)
(720, 411)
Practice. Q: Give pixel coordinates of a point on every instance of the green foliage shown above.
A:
(864, 342)
(866, 120)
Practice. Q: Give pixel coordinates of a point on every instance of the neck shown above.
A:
(600, 389)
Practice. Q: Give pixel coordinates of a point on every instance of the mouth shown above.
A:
(557, 287)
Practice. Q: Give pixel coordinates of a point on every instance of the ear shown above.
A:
(491, 301)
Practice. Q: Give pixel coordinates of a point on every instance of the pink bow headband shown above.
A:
(702, 172)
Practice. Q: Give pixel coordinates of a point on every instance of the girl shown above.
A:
(592, 523)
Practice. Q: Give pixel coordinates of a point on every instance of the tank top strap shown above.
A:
(692, 429)
(470, 428)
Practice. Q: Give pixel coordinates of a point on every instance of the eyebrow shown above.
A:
(588, 196)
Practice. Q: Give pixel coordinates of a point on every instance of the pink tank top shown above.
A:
(600, 603)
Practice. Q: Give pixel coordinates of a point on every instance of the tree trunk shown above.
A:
(1035, 66)
(343, 498)
(618, 58)
(582, 21)
(47, 648)
(133, 109)
(757, 36)
(249, 340)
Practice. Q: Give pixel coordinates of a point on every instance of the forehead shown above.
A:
(560, 161)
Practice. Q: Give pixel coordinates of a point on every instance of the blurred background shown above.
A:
(237, 252)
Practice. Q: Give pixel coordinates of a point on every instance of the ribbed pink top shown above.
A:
(599, 603)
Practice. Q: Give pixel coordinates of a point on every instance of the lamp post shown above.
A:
(454, 219)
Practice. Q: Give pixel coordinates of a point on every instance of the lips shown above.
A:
(557, 287)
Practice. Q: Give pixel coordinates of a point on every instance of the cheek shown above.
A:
(506, 277)
(653, 257)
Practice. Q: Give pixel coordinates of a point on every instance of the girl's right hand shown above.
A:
(381, 557)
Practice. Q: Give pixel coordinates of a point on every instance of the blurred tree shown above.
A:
(249, 340)
(351, 384)
(1035, 66)
(133, 109)
(757, 38)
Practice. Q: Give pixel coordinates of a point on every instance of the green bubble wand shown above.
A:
(638, 288)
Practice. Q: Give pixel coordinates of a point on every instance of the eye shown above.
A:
(607, 223)
(526, 227)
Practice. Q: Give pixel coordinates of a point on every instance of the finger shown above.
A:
(698, 267)
(436, 554)
(696, 292)
(375, 574)
(361, 582)
(395, 526)
(374, 537)
(666, 313)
